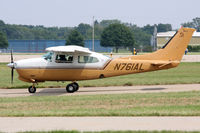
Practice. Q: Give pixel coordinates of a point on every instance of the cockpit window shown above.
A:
(48, 56)
(63, 58)
(87, 59)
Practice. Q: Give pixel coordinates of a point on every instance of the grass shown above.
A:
(185, 73)
(116, 132)
(193, 53)
(141, 104)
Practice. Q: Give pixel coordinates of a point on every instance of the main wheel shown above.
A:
(76, 86)
(32, 89)
(70, 88)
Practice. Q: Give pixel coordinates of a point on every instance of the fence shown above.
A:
(39, 46)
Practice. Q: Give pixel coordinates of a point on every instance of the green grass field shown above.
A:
(141, 104)
(185, 73)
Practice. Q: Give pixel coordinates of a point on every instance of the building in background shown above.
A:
(164, 37)
(39, 46)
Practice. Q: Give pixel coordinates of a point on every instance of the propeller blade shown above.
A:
(12, 74)
(12, 68)
(11, 52)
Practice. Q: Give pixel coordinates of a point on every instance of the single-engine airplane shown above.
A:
(74, 63)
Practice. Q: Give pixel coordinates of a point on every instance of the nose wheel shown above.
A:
(71, 88)
(32, 89)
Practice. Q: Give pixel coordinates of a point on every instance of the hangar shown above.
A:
(163, 38)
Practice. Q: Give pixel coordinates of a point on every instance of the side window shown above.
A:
(63, 58)
(87, 59)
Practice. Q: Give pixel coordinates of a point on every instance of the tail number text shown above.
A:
(128, 66)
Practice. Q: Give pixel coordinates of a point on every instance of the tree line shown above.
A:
(142, 35)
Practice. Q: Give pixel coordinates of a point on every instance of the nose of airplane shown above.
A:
(11, 65)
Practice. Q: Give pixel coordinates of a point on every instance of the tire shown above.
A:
(31, 89)
(76, 86)
(70, 88)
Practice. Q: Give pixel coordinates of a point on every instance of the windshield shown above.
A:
(48, 56)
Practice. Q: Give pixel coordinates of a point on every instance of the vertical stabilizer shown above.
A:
(173, 50)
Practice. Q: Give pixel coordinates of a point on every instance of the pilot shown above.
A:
(62, 58)
(70, 58)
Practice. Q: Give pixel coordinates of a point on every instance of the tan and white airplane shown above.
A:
(74, 63)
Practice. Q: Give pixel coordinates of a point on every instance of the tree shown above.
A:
(149, 29)
(194, 24)
(141, 36)
(84, 29)
(117, 35)
(164, 27)
(2, 25)
(75, 38)
(105, 23)
(3, 41)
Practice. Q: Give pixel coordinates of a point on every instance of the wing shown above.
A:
(69, 49)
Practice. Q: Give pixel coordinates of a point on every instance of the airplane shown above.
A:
(75, 63)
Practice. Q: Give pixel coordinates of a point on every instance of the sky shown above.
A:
(70, 13)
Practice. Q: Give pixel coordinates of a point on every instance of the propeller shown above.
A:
(11, 65)
(12, 69)
(11, 52)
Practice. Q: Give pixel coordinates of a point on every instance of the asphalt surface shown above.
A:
(101, 90)
(17, 124)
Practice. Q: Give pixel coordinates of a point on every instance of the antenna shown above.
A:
(93, 34)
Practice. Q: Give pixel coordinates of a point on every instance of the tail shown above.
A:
(173, 50)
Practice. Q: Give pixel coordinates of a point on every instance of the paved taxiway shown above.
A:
(16, 124)
(101, 90)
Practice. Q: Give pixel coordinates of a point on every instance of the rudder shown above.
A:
(175, 48)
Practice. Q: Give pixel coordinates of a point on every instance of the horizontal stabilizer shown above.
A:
(161, 64)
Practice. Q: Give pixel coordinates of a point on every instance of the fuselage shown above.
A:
(73, 63)
(41, 69)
